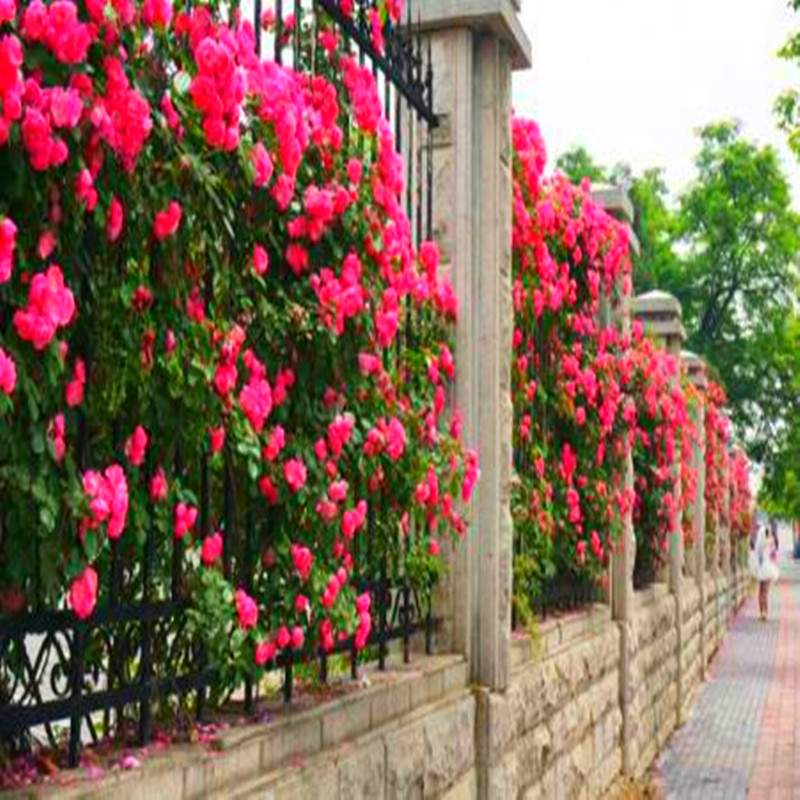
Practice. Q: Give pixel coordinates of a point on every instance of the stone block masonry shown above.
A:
(422, 731)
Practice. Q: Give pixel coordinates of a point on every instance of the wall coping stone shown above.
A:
(244, 752)
(557, 633)
(643, 598)
(497, 16)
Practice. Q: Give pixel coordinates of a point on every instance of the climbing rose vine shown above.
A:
(741, 495)
(660, 418)
(206, 271)
(571, 414)
(691, 440)
(717, 435)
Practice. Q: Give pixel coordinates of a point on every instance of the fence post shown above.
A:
(660, 314)
(475, 47)
(616, 202)
(696, 372)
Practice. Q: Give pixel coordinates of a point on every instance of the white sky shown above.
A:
(631, 80)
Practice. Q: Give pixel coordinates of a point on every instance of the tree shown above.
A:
(577, 163)
(654, 225)
(738, 279)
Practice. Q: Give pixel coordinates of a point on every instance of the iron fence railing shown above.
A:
(108, 672)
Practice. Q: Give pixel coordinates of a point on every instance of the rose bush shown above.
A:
(572, 416)
(692, 451)
(717, 435)
(660, 418)
(208, 289)
(741, 496)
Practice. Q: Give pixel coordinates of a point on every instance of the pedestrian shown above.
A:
(764, 564)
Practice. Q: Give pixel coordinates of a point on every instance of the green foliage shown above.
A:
(655, 226)
(577, 164)
(738, 279)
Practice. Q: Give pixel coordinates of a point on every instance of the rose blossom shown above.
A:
(246, 609)
(83, 593)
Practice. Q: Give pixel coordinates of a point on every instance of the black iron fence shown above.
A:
(562, 595)
(61, 677)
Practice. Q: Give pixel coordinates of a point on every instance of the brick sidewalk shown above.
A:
(738, 725)
(777, 768)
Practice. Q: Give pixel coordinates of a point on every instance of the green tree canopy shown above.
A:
(577, 163)
(737, 279)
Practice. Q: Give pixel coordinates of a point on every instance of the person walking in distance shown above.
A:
(764, 564)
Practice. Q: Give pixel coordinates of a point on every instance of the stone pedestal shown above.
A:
(617, 203)
(660, 313)
(696, 374)
(475, 46)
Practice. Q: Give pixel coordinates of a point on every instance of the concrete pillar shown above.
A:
(475, 46)
(617, 203)
(661, 315)
(696, 373)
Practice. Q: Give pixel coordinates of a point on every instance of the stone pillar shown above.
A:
(474, 48)
(617, 203)
(696, 373)
(661, 315)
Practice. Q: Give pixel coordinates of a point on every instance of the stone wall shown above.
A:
(411, 734)
(588, 699)
(557, 731)
(652, 689)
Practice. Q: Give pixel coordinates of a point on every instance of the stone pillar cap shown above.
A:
(695, 368)
(497, 16)
(615, 200)
(661, 314)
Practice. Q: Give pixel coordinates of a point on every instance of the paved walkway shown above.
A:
(742, 739)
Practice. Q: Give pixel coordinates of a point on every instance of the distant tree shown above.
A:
(737, 279)
(655, 227)
(577, 164)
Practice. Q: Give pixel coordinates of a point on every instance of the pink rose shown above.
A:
(260, 260)
(246, 609)
(166, 223)
(265, 651)
(8, 373)
(136, 446)
(158, 486)
(83, 593)
(212, 549)
(294, 471)
(298, 637)
(185, 517)
(217, 438)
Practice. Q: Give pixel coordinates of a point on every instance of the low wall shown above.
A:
(557, 731)
(410, 734)
(589, 699)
